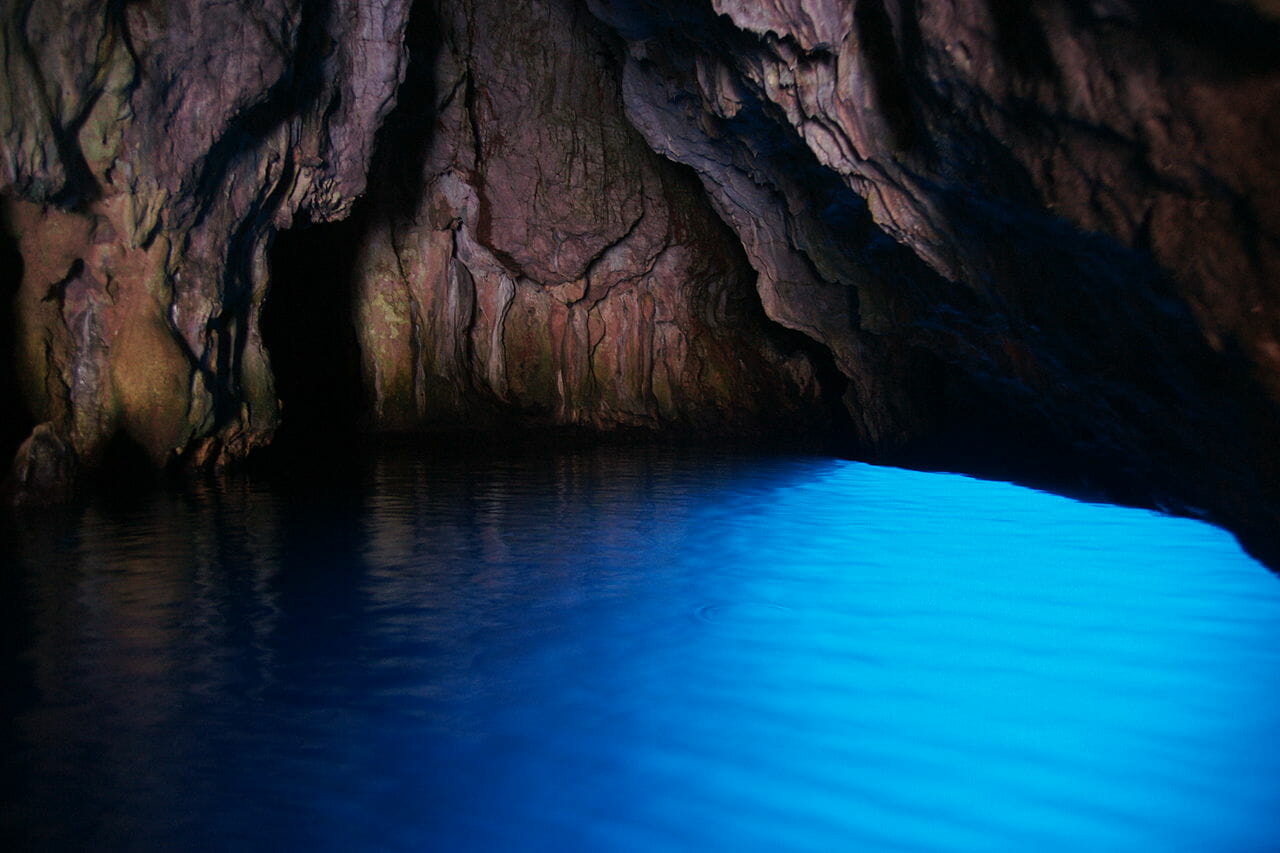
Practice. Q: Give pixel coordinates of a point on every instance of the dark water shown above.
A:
(637, 651)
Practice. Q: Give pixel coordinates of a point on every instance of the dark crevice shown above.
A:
(308, 317)
(123, 471)
(401, 144)
(308, 328)
(980, 432)
(15, 419)
(836, 429)
(298, 89)
(1022, 40)
(58, 290)
(80, 184)
(831, 422)
(888, 75)
(1212, 39)
(232, 321)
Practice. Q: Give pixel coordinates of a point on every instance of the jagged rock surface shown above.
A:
(1059, 218)
(147, 151)
(1071, 205)
(545, 266)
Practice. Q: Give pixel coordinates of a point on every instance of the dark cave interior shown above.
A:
(307, 325)
(309, 330)
(1005, 280)
(639, 424)
(15, 419)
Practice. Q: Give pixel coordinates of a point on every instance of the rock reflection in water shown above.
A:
(636, 650)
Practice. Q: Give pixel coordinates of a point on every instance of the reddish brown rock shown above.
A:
(1054, 224)
(1058, 215)
(147, 150)
(550, 268)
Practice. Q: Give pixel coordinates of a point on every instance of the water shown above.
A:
(637, 650)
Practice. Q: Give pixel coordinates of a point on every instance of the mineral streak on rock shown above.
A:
(147, 152)
(1061, 218)
(1072, 205)
(549, 267)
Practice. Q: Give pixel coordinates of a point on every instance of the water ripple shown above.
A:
(638, 650)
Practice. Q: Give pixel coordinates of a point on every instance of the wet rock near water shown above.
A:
(1050, 229)
(148, 151)
(536, 261)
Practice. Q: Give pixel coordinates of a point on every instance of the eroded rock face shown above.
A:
(147, 150)
(1057, 218)
(1071, 204)
(546, 266)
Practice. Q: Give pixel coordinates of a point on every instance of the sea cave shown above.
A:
(640, 424)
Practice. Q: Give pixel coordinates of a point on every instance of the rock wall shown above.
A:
(1057, 223)
(544, 266)
(1072, 204)
(147, 152)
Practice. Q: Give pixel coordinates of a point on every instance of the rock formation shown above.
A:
(1056, 223)
(544, 264)
(147, 153)
(1070, 205)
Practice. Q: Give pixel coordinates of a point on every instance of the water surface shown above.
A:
(636, 650)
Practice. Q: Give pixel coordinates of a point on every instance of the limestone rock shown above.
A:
(547, 267)
(147, 151)
(1062, 214)
(1054, 221)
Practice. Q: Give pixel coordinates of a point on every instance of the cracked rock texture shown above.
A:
(544, 265)
(147, 152)
(1052, 223)
(1074, 206)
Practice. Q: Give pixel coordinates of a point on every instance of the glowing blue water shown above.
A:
(640, 651)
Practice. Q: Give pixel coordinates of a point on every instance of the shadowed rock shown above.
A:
(1050, 225)
(147, 150)
(551, 269)
(1069, 205)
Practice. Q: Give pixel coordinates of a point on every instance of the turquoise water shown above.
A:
(637, 650)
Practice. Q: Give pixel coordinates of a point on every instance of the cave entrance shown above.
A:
(308, 320)
(309, 330)
(15, 418)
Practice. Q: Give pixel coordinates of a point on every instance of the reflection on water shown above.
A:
(640, 650)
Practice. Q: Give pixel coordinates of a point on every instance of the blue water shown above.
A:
(637, 650)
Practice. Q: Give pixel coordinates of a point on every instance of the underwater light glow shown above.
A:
(656, 650)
